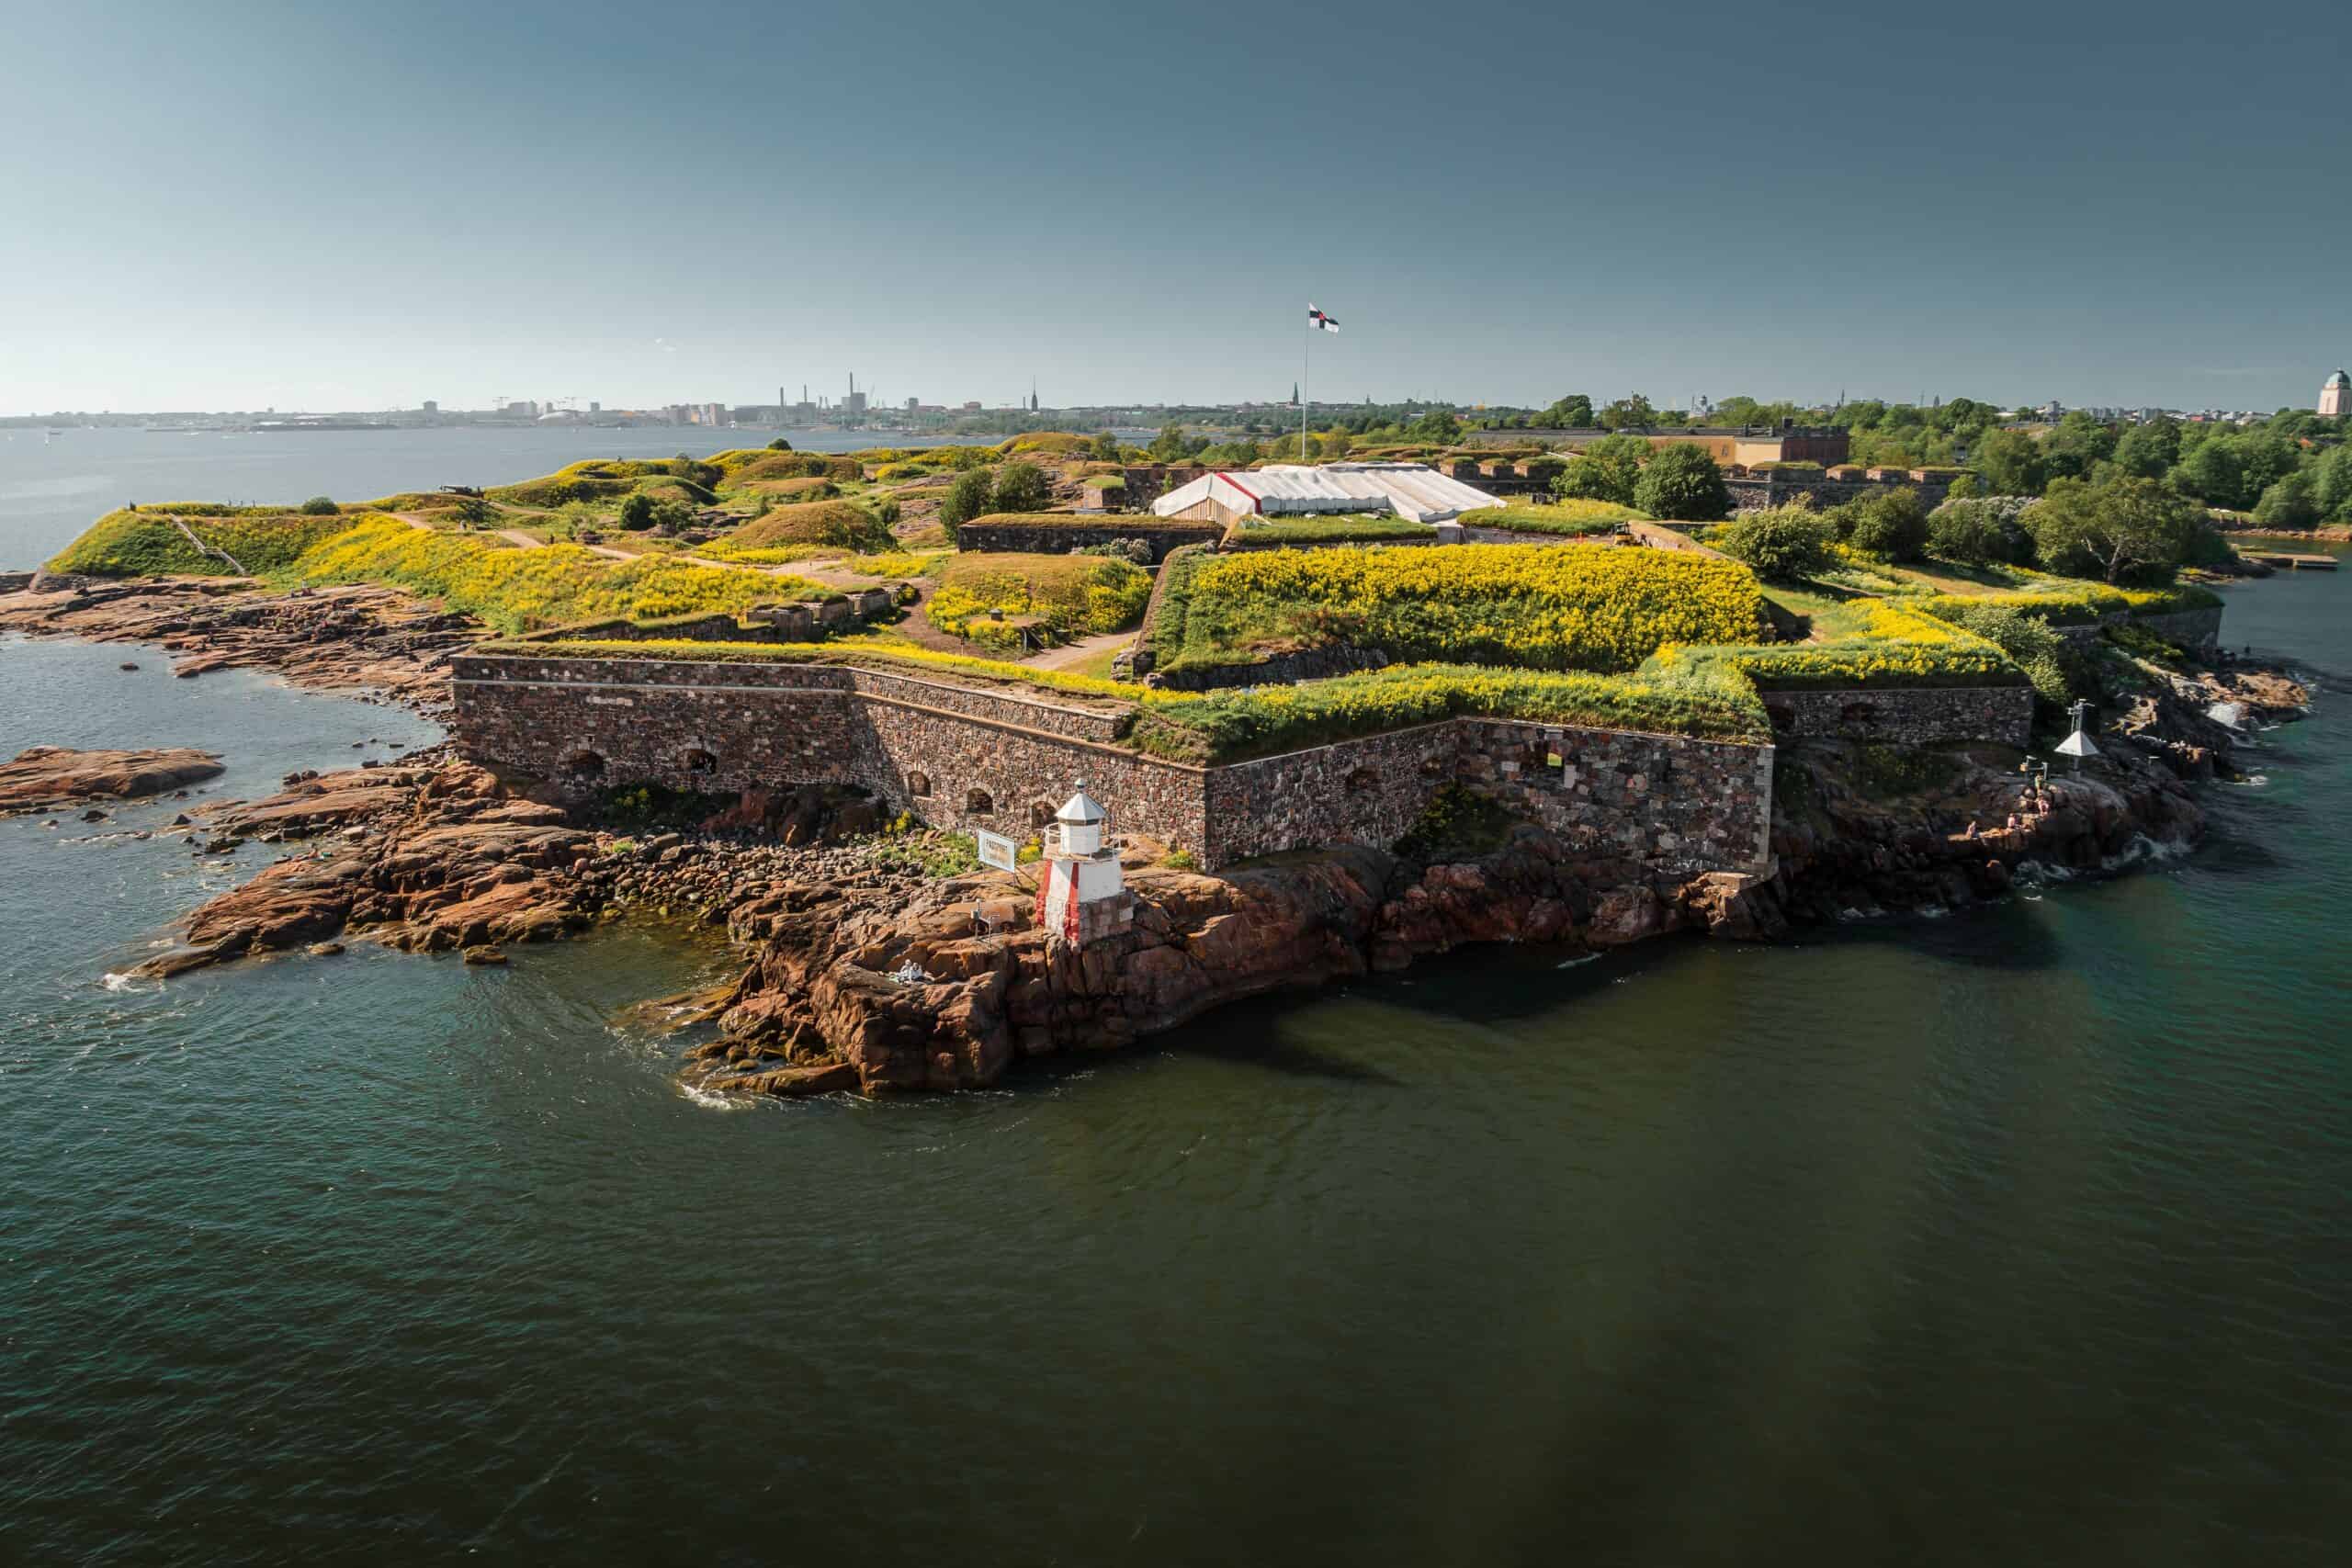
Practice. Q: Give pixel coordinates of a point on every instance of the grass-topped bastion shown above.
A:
(1565, 607)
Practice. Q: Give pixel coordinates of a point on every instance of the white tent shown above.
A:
(1414, 491)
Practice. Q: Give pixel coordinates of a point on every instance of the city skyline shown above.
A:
(2049, 208)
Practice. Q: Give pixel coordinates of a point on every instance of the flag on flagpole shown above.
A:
(1320, 319)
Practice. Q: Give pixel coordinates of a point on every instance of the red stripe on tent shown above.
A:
(1255, 504)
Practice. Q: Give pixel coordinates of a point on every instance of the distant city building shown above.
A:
(1750, 444)
(972, 406)
(2336, 398)
(912, 405)
(595, 407)
(430, 406)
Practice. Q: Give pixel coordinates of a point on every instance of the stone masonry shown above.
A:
(1908, 718)
(965, 756)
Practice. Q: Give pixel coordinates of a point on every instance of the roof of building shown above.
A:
(2339, 380)
(1082, 810)
(1412, 490)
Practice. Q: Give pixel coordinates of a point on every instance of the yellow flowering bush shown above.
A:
(1892, 646)
(515, 589)
(1554, 608)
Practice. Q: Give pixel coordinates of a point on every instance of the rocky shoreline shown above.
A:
(867, 970)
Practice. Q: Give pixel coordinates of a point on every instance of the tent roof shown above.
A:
(1412, 490)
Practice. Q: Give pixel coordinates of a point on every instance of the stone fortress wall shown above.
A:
(966, 756)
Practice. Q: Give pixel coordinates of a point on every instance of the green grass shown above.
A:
(1572, 519)
(839, 524)
(1074, 594)
(145, 543)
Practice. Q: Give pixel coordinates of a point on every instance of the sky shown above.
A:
(241, 204)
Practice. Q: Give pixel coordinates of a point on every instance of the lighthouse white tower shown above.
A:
(1083, 897)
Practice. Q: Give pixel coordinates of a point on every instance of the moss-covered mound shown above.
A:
(145, 543)
(834, 523)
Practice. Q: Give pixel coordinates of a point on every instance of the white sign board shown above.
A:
(995, 849)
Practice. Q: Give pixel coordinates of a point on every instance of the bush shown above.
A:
(636, 514)
(1020, 487)
(1787, 543)
(2028, 640)
(320, 506)
(1891, 525)
(1557, 607)
(1684, 483)
(1980, 531)
(779, 444)
(970, 496)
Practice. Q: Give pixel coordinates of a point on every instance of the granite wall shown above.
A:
(976, 756)
(1910, 717)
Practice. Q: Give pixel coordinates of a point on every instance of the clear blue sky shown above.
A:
(232, 203)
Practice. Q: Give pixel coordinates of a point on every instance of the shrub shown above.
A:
(1891, 525)
(2027, 639)
(1075, 595)
(1560, 607)
(1020, 487)
(1980, 531)
(320, 506)
(971, 495)
(1684, 483)
(779, 444)
(1786, 543)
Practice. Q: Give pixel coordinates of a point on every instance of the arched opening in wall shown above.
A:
(1362, 780)
(698, 760)
(918, 786)
(1040, 813)
(1783, 717)
(1434, 766)
(978, 804)
(584, 764)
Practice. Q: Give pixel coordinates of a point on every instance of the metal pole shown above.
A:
(1307, 349)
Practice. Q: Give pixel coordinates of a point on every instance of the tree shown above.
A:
(1020, 487)
(2335, 474)
(318, 506)
(1891, 525)
(2010, 463)
(2266, 457)
(1976, 531)
(1106, 448)
(967, 497)
(1571, 412)
(2291, 502)
(2212, 473)
(1634, 410)
(695, 471)
(1437, 427)
(1786, 542)
(2126, 529)
(1606, 470)
(1169, 446)
(2148, 451)
(2078, 445)
(1684, 483)
(637, 512)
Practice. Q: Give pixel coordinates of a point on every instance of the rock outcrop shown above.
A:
(45, 776)
(360, 639)
(428, 857)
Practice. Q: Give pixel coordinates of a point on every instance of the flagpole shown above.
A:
(1305, 350)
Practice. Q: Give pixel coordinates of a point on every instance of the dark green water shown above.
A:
(2019, 1236)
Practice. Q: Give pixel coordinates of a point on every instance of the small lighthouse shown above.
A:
(1082, 897)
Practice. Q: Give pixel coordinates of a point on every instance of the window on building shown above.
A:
(587, 764)
(1040, 813)
(918, 786)
(701, 761)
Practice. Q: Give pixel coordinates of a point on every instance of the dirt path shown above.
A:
(1070, 655)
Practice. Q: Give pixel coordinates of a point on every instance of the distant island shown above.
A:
(991, 751)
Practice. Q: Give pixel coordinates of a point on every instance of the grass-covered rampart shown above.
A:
(263, 539)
